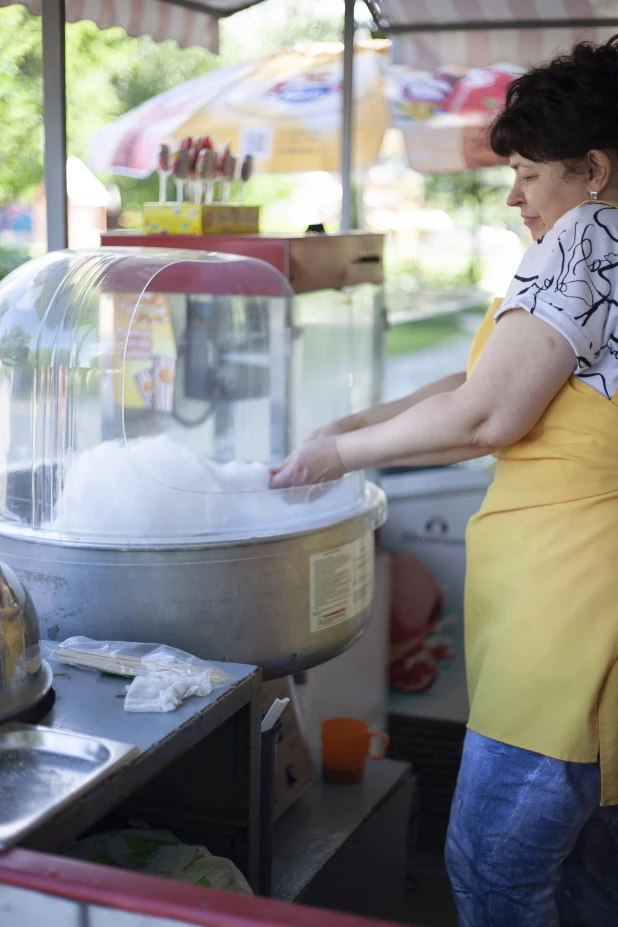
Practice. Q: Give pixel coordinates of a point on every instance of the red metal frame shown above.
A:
(273, 250)
(188, 275)
(89, 883)
(308, 262)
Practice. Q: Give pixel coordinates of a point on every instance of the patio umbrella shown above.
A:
(444, 114)
(285, 110)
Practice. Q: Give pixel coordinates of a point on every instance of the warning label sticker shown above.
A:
(341, 583)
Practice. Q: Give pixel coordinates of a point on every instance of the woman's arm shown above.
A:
(384, 411)
(524, 365)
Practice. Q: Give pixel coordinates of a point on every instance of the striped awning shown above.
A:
(189, 23)
(429, 33)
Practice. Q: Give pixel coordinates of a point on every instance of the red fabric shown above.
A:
(417, 600)
(484, 93)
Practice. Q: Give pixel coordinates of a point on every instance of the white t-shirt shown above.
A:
(569, 278)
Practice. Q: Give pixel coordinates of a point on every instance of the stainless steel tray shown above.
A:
(42, 770)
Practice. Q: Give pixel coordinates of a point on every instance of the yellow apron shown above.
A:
(542, 585)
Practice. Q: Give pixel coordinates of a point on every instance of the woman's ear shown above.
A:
(599, 167)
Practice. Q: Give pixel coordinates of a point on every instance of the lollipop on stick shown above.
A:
(219, 162)
(229, 169)
(199, 174)
(245, 173)
(208, 172)
(163, 170)
(202, 145)
(192, 155)
(186, 145)
(180, 170)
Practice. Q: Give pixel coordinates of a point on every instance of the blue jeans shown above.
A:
(528, 845)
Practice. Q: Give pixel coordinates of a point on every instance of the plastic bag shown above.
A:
(160, 853)
(125, 658)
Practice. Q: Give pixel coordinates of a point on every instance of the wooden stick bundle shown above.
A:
(127, 665)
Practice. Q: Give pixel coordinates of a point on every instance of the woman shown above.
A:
(528, 843)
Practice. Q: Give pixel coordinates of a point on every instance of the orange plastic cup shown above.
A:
(346, 744)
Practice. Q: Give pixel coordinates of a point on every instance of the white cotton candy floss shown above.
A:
(153, 489)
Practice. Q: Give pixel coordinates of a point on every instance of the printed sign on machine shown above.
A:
(342, 582)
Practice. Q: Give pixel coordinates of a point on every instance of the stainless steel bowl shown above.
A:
(24, 677)
(243, 602)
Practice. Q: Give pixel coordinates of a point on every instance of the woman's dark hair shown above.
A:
(561, 110)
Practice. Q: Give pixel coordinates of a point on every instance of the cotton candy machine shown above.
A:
(142, 398)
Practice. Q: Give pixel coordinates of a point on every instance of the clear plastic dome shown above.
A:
(143, 397)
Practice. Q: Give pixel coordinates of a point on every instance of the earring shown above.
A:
(593, 195)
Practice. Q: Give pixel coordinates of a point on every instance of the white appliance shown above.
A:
(427, 517)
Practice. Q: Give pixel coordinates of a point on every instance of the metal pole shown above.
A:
(54, 117)
(347, 133)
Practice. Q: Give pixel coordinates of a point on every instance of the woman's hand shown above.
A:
(315, 461)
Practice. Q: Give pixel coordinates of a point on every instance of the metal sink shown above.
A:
(42, 770)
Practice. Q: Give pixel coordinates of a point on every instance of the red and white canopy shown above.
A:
(429, 33)
(161, 19)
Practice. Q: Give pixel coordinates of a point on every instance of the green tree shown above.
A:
(256, 32)
(21, 158)
(109, 73)
(472, 198)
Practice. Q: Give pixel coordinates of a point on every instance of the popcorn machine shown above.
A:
(336, 313)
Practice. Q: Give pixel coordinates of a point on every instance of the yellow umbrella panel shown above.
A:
(287, 112)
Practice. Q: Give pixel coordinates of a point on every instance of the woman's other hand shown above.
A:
(315, 461)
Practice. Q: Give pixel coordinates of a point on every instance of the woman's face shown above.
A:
(543, 194)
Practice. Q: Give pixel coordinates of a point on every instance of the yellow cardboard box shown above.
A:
(221, 219)
(172, 219)
(191, 219)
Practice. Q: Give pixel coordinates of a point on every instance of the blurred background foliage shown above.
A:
(109, 73)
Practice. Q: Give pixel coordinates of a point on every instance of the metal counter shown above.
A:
(89, 703)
